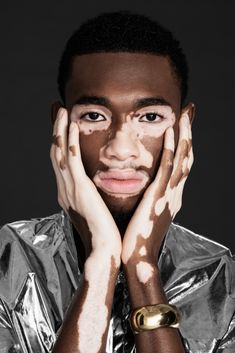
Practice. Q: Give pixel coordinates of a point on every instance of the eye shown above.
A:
(151, 118)
(92, 116)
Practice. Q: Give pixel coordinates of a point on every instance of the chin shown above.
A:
(121, 204)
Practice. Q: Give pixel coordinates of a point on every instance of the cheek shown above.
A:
(90, 146)
(154, 146)
(176, 132)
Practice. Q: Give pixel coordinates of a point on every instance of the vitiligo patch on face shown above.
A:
(128, 140)
(144, 272)
(80, 114)
(140, 127)
(123, 152)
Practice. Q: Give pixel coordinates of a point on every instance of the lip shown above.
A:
(121, 181)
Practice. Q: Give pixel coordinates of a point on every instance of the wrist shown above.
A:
(140, 265)
(99, 260)
(144, 284)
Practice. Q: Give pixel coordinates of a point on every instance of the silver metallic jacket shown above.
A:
(39, 274)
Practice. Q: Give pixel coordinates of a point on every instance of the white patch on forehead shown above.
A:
(144, 272)
(142, 251)
(94, 303)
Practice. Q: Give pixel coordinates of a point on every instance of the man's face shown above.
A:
(123, 103)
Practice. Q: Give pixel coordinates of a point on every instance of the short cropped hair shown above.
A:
(123, 31)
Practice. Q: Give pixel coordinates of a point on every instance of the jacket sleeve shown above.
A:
(8, 341)
(227, 343)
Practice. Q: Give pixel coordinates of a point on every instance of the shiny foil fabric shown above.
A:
(39, 274)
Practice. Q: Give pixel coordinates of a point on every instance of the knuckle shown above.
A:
(169, 163)
(57, 155)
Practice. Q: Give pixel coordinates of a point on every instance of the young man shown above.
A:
(112, 267)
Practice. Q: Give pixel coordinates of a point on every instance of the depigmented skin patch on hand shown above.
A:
(181, 170)
(100, 300)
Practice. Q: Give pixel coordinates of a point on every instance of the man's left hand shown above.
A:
(162, 199)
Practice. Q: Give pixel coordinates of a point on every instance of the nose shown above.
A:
(122, 147)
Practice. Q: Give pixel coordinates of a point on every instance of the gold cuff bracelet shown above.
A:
(154, 316)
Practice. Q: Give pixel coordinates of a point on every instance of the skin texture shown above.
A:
(123, 113)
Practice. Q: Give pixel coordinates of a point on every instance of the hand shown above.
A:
(161, 201)
(77, 194)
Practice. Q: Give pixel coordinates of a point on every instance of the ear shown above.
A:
(190, 109)
(55, 106)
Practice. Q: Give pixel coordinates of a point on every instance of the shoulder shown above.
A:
(41, 234)
(186, 253)
(31, 247)
(199, 277)
(188, 244)
(31, 230)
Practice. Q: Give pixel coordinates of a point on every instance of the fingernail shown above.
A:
(186, 118)
(60, 112)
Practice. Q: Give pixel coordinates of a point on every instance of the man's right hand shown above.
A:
(77, 194)
(86, 324)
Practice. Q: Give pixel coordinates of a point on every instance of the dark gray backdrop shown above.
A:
(33, 35)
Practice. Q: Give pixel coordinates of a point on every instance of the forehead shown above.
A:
(122, 77)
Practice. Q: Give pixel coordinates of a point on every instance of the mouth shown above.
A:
(117, 181)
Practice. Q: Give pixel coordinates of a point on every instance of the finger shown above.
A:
(178, 194)
(59, 180)
(181, 156)
(178, 190)
(61, 133)
(67, 184)
(74, 154)
(166, 165)
(191, 157)
(187, 162)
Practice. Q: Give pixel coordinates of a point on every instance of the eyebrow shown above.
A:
(138, 103)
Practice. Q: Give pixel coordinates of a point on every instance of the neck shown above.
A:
(122, 220)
